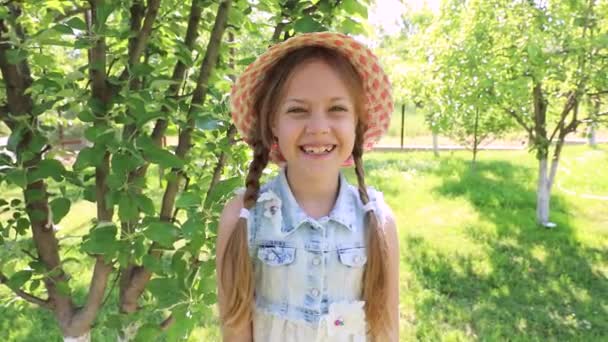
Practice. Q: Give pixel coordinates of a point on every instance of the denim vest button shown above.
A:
(315, 292)
(316, 261)
(357, 259)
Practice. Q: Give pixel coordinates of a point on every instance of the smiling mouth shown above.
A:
(317, 150)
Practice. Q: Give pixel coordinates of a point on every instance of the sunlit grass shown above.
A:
(475, 266)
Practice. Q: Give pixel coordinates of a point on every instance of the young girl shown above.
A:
(307, 256)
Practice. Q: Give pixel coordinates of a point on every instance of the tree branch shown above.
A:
(520, 120)
(141, 40)
(129, 304)
(180, 68)
(598, 93)
(45, 303)
(97, 288)
(570, 102)
(221, 161)
(140, 275)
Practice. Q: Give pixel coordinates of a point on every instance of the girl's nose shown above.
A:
(318, 123)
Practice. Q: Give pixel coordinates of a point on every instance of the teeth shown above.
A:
(317, 149)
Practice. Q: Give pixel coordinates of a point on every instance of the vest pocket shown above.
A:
(276, 256)
(352, 257)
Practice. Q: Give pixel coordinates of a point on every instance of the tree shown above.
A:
(129, 73)
(542, 59)
(463, 79)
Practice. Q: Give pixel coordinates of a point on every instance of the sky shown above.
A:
(387, 13)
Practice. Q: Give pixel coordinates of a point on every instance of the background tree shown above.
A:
(462, 76)
(529, 61)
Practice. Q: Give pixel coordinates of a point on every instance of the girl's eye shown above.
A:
(296, 110)
(338, 109)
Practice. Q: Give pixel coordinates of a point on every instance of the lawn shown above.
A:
(474, 265)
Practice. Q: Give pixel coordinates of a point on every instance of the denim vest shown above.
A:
(302, 265)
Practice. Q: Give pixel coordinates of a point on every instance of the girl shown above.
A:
(307, 256)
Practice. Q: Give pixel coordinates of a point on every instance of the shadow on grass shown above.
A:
(539, 283)
(527, 283)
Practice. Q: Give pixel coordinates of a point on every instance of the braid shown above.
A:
(375, 276)
(238, 284)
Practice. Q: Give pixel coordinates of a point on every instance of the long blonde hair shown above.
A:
(236, 254)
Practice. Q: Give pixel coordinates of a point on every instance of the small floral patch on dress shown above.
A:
(346, 318)
(272, 208)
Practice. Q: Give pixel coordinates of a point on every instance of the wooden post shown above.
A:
(402, 123)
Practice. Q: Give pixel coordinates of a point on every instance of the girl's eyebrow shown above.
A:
(336, 98)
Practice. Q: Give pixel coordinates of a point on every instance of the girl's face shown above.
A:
(316, 119)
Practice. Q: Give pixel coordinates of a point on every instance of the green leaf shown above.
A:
(63, 288)
(123, 162)
(89, 157)
(141, 69)
(348, 25)
(355, 7)
(127, 208)
(161, 84)
(100, 134)
(103, 12)
(165, 290)
(145, 204)
(152, 263)
(47, 168)
(86, 115)
(15, 56)
(163, 233)
(210, 298)
(148, 332)
(221, 189)
(60, 207)
(164, 158)
(101, 240)
(22, 225)
(159, 155)
(6, 159)
(63, 29)
(18, 279)
(3, 12)
(77, 23)
(188, 199)
(184, 321)
(17, 177)
(34, 285)
(37, 266)
(246, 61)
(14, 139)
(308, 24)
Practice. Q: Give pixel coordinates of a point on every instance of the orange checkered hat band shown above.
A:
(378, 104)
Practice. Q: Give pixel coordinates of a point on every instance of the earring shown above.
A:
(275, 151)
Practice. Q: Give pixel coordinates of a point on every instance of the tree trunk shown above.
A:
(542, 194)
(591, 135)
(435, 144)
(86, 337)
(591, 139)
(475, 137)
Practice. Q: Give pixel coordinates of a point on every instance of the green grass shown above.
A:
(474, 265)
